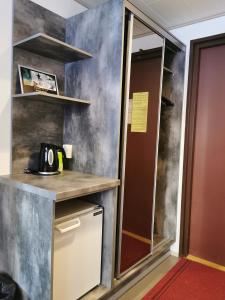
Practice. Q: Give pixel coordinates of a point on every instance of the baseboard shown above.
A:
(206, 263)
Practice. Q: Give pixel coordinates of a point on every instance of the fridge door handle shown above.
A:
(68, 226)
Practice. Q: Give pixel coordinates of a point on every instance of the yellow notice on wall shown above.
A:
(130, 111)
(139, 112)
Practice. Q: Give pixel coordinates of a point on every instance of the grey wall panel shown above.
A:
(26, 241)
(169, 155)
(35, 122)
(30, 18)
(94, 131)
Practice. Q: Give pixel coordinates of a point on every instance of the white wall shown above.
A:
(64, 8)
(5, 84)
(186, 34)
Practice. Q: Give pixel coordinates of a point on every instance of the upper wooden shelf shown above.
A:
(45, 45)
(47, 97)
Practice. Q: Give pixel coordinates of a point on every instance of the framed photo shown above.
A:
(32, 80)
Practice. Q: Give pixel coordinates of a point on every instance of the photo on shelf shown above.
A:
(32, 80)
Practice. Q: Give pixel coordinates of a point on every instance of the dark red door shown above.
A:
(207, 228)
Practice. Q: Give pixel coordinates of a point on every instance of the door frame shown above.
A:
(191, 113)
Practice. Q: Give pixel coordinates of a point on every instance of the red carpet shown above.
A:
(190, 281)
(132, 251)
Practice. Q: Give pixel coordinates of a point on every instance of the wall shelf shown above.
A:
(167, 102)
(47, 46)
(168, 70)
(47, 97)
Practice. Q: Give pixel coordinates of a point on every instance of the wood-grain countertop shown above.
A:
(67, 185)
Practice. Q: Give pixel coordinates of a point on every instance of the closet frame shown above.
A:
(133, 12)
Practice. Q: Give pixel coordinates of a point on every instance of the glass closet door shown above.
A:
(140, 138)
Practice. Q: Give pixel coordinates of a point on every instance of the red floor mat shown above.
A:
(190, 281)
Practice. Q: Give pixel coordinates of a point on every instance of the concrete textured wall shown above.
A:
(26, 222)
(169, 150)
(35, 122)
(94, 131)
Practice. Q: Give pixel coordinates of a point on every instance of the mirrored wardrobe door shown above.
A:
(140, 147)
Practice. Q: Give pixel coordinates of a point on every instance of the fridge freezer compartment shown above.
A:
(72, 208)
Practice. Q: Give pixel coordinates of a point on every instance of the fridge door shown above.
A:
(77, 256)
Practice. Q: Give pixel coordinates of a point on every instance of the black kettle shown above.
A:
(48, 159)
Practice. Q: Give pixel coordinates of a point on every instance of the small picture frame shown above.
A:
(32, 80)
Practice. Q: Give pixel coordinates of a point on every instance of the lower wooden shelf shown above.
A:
(167, 102)
(47, 97)
(168, 70)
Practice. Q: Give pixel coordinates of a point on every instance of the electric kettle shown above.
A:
(48, 159)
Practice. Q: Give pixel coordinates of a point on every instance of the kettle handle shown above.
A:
(60, 148)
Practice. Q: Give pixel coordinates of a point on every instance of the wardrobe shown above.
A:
(151, 124)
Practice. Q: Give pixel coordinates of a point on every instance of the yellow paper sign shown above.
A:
(130, 111)
(139, 112)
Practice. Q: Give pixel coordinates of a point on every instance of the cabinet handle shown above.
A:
(68, 226)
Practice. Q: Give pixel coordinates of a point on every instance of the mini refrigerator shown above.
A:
(77, 249)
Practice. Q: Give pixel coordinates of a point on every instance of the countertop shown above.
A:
(69, 184)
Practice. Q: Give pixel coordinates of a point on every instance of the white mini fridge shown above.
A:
(77, 249)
